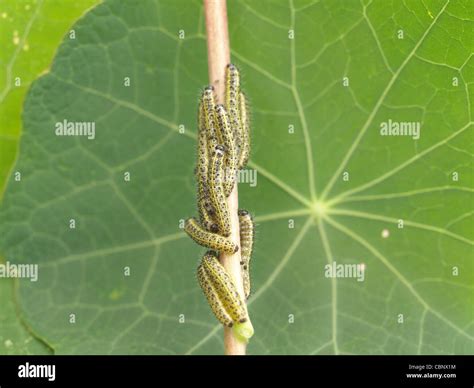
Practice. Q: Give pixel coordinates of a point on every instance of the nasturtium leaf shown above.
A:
(323, 77)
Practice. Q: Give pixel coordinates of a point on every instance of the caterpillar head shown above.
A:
(208, 95)
(219, 150)
(220, 108)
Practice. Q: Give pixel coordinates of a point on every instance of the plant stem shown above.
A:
(218, 57)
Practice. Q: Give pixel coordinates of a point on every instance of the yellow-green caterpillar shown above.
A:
(232, 94)
(203, 160)
(216, 190)
(223, 297)
(213, 298)
(208, 239)
(206, 212)
(231, 157)
(246, 247)
(245, 134)
(209, 106)
(204, 207)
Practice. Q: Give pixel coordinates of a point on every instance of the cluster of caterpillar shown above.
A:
(223, 149)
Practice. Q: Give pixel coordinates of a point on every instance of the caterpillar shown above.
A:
(223, 297)
(208, 239)
(202, 145)
(246, 247)
(223, 287)
(209, 104)
(245, 135)
(216, 189)
(232, 93)
(231, 157)
(213, 299)
(205, 214)
(204, 208)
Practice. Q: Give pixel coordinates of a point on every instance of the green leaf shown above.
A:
(29, 34)
(294, 84)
